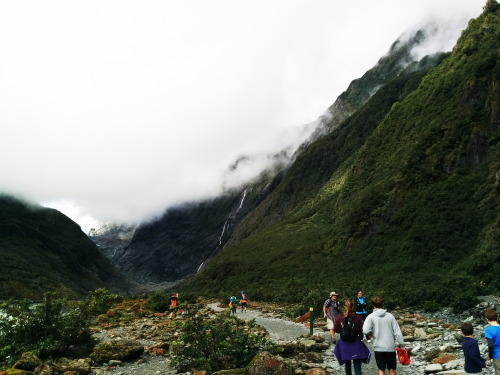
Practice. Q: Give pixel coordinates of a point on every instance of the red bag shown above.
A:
(403, 356)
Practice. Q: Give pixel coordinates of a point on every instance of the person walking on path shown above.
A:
(243, 301)
(360, 306)
(492, 336)
(474, 363)
(233, 303)
(383, 329)
(330, 312)
(173, 303)
(350, 350)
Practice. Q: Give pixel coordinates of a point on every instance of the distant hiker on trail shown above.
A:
(360, 306)
(474, 363)
(233, 302)
(173, 303)
(350, 346)
(330, 312)
(243, 301)
(492, 336)
(382, 327)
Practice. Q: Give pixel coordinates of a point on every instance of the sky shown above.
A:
(114, 110)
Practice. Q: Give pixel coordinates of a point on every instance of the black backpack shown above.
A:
(348, 332)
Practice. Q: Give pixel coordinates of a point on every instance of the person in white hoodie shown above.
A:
(383, 329)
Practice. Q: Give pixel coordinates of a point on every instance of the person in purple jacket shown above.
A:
(474, 363)
(351, 350)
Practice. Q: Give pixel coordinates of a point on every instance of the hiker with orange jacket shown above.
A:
(243, 301)
(173, 305)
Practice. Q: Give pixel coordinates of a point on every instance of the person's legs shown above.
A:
(348, 369)
(496, 363)
(357, 366)
(391, 363)
(329, 326)
(380, 359)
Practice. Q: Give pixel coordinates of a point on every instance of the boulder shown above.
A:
(316, 371)
(308, 345)
(29, 361)
(313, 357)
(46, 369)
(122, 350)
(80, 366)
(265, 363)
(420, 334)
(431, 369)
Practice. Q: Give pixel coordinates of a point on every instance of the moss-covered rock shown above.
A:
(81, 365)
(122, 350)
(265, 363)
(29, 361)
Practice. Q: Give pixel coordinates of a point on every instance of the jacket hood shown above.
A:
(380, 312)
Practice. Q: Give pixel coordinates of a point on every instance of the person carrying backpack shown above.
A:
(350, 349)
(243, 301)
(233, 302)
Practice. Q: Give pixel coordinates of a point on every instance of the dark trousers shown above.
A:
(357, 367)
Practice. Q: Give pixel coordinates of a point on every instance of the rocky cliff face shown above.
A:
(185, 237)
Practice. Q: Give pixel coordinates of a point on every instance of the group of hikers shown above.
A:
(233, 302)
(353, 323)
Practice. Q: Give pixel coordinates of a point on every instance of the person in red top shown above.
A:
(172, 304)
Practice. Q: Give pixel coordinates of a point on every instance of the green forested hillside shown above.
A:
(402, 199)
(42, 250)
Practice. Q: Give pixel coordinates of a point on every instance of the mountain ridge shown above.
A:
(43, 250)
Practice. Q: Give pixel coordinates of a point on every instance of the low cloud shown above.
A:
(120, 109)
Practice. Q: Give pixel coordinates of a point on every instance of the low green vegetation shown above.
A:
(50, 328)
(217, 344)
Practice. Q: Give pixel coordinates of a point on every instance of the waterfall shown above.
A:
(222, 234)
(242, 199)
(225, 226)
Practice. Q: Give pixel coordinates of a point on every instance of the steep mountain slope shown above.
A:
(43, 250)
(402, 199)
(175, 245)
(178, 243)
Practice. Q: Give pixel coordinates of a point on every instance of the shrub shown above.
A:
(100, 300)
(157, 301)
(47, 329)
(220, 343)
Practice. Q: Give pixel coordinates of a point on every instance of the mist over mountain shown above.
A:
(137, 114)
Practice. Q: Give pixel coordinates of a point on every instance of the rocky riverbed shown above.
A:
(132, 342)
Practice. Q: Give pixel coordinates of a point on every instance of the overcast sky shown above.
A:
(117, 109)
